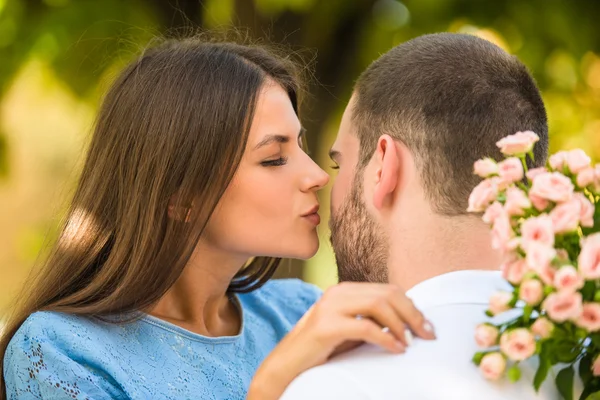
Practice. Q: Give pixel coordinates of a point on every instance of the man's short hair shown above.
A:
(449, 98)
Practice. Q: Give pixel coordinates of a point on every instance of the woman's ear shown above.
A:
(387, 173)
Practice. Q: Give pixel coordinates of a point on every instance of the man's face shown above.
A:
(361, 249)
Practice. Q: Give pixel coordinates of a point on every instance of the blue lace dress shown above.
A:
(59, 356)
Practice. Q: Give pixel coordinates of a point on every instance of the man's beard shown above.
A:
(360, 246)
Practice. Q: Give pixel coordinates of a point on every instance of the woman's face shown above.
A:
(270, 207)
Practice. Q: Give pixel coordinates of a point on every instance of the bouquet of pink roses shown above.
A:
(546, 222)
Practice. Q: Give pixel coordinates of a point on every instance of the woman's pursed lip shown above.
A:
(314, 218)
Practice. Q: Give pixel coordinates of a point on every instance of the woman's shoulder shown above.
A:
(285, 294)
(50, 353)
(50, 328)
(291, 289)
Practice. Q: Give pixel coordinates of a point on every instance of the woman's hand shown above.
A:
(346, 315)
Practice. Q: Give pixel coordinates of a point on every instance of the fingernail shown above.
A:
(408, 337)
(400, 346)
(385, 329)
(428, 327)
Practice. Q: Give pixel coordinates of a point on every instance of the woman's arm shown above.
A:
(347, 314)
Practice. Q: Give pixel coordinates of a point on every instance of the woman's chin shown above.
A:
(307, 251)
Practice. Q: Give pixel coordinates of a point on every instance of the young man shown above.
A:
(420, 116)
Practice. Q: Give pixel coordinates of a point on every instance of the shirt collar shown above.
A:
(458, 287)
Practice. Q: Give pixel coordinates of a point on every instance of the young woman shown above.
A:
(194, 186)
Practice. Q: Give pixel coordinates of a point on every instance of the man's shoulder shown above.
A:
(428, 370)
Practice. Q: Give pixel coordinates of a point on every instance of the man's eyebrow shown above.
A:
(334, 155)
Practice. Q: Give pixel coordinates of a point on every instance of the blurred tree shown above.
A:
(85, 41)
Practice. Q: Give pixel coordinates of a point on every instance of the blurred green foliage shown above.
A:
(83, 43)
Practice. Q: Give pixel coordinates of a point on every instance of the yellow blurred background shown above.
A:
(58, 56)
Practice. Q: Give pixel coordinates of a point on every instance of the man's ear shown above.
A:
(386, 174)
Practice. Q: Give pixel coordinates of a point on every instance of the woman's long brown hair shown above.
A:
(175, 122)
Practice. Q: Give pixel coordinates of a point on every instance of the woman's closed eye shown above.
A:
(274, 163)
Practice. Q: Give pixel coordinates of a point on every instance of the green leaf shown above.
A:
(564, 382)
(527, 310)
(592, 396)
(478, 357)
(587, 231)
(580, 333)
(589, 291)
(543, 369)
(560, 332)
(489, 313)
(514, 373)
(515, 323)
(513, 302)
(538, 347)
(595, 339)
(585, 369)
(548, 290)
(566, 351)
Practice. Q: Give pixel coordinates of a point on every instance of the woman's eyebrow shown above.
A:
(276, 138)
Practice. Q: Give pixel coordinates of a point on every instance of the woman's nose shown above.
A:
(316, 179)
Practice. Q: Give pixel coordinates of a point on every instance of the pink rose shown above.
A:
(492, 366)
(568, 279)
(577, 160)
(587, 209)
(542, 327)
(565, 216)
(538, 258)
(517, 144)
(511, 170)
(486, 335)
(558, 160)
(596, 366)
(502, 232)
(485, 167)
(518, 344)
(552, 186)
(499, 302)
(563, 306)
(537, 230)
(499, 183)
(531, 292)
(482, 195)
(514, 270)
(546, 274)
(516, 201)
(492, 212)
(586, 177)
(589, 258)
(590, 317)
(538, 202)
(532, 173)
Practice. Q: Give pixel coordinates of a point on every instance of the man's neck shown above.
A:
(433, 245)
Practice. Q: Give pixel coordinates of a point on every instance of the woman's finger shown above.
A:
(368, 299)
(381, 311)
(412, 316)
(368, 331)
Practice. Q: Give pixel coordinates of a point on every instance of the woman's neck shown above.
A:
(198, 300)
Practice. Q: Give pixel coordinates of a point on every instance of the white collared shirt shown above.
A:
(429, 370)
